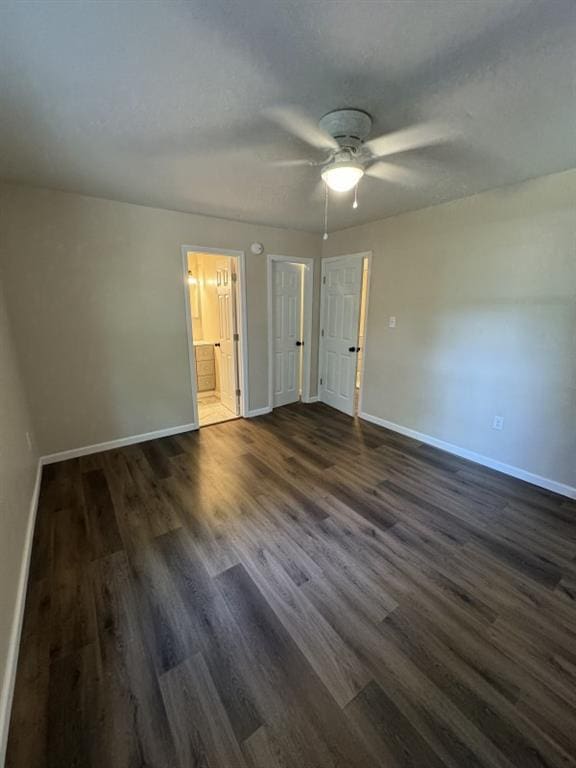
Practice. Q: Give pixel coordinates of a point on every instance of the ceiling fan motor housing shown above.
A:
(350, 127)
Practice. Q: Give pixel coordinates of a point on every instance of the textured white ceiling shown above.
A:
(161, 103)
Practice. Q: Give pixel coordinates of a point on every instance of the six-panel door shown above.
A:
(286, 331)
(341, 291)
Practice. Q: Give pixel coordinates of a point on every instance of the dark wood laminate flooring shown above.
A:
(300, 590)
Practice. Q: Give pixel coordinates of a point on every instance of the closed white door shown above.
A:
(227, 345)
(286, 331)
(340, 306)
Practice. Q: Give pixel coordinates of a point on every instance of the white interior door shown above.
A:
(286, 331)
(340, 303)
(226, 288)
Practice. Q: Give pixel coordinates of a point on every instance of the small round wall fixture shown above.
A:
(257, 248)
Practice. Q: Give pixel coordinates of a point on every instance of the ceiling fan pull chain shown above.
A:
(355, 203)
(325, 235)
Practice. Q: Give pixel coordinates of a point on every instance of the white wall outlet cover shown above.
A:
(257, 248)
(498, 422)
(392, 322)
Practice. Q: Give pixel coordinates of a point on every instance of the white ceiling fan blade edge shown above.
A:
(396, 174)
(299, 163)
(413, 137)
(296, 122)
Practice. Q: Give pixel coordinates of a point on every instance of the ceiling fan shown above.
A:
(350, 154)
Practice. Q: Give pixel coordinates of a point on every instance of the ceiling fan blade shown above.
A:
(414, 137)
(396, 174)
(296, 122)
(299, 163)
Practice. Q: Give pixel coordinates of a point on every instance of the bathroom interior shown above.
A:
(209, 284)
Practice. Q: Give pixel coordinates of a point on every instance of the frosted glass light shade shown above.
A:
(342, 177)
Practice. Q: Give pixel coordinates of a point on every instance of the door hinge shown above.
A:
(324, 280)
(236, 337)
(234, 277)
(237, 393)
(322, 331)
(321, 381)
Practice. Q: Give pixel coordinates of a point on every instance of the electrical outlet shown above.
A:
(498, 422)
(392, 322)
(29, 440)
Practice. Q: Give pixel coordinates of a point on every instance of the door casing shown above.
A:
(308, 278)
(240, 258)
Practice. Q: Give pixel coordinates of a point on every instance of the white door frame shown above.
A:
(308, 277)
(364, 255)
(242, 323)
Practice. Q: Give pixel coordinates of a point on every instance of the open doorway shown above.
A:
(343, 312)
(214, 310)
(290, 291)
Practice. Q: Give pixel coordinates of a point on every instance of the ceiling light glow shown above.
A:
(341, 177)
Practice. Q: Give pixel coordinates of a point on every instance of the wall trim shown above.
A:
(477, 458)
(7, 692)
(312, 399)
(86, 450)
(259, 412)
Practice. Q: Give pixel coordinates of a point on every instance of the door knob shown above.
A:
(217, 344)
(351, 349)
(299, 343)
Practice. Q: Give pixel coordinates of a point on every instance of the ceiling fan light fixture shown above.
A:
(342, 176)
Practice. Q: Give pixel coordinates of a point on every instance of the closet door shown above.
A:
(287, 331)
(341, 291)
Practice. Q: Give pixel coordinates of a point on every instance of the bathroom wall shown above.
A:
(209, 294)
(194, 296)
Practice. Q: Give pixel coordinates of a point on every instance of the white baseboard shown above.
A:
(478, 458)
(7, 692)
(313, 399)
(86, 450)
(259, 412)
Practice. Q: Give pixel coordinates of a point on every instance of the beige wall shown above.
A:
(484, 292)
(17, 475)
(96, 294)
